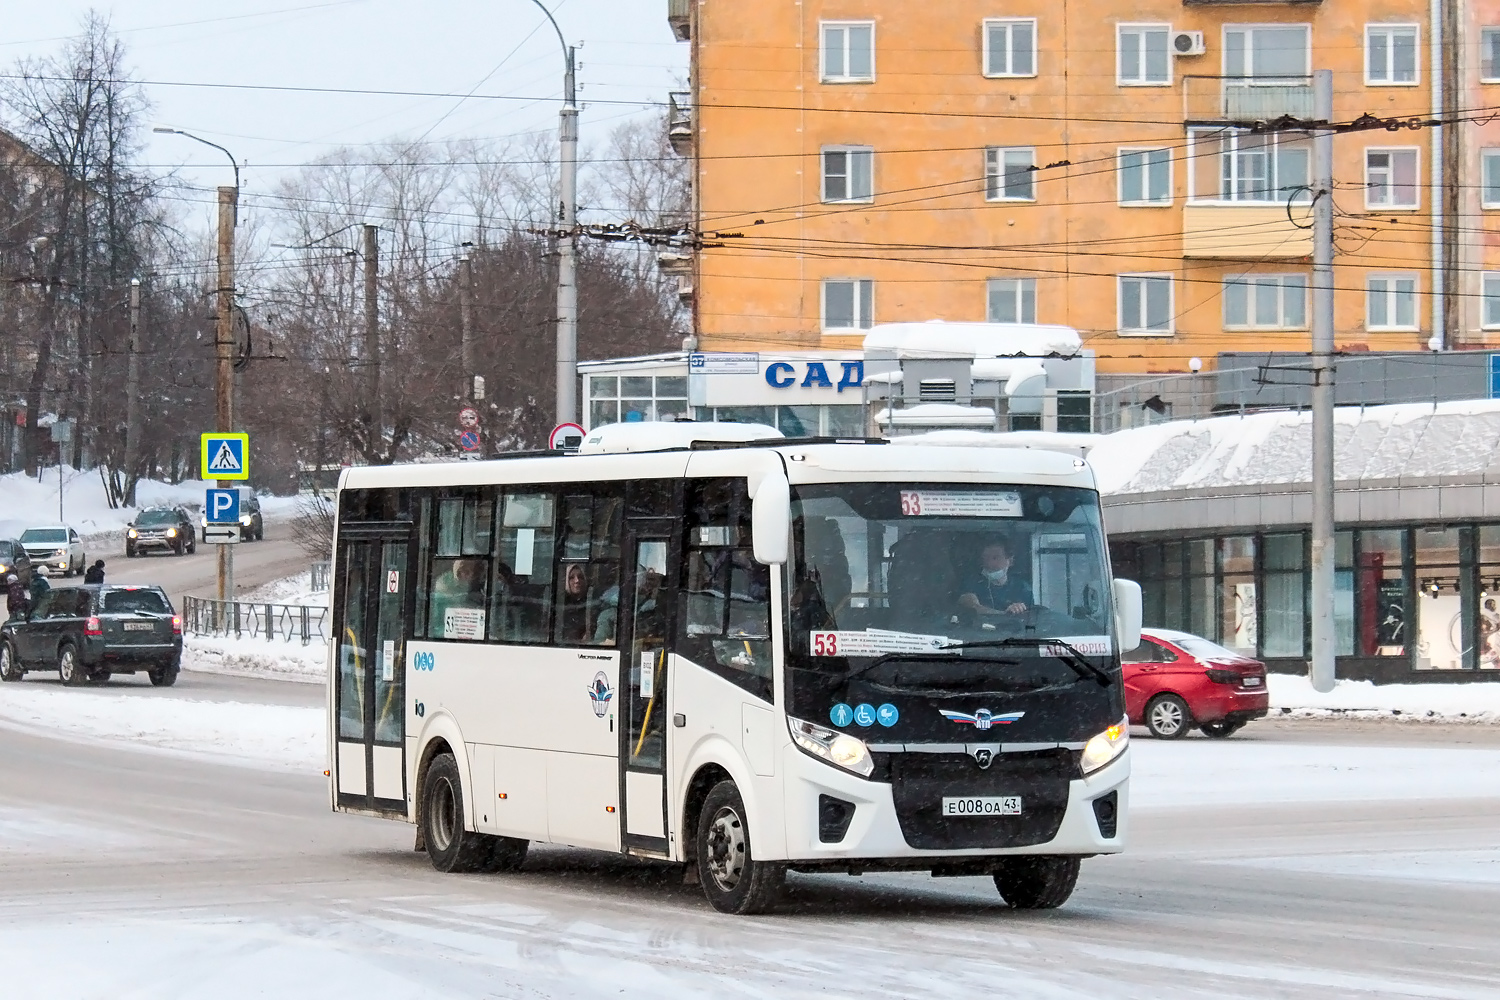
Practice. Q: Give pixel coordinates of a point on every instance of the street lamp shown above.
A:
(567, 256)
(229, 209)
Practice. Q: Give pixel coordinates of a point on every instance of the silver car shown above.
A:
(55, 549)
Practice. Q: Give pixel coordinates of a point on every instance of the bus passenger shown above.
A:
(462, 586)
(992, 590)
(575, 609)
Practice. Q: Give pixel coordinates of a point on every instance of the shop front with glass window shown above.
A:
(1411, 602)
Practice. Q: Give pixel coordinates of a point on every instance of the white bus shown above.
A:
(747, 655)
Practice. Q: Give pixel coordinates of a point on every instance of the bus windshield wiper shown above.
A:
(1060, 648)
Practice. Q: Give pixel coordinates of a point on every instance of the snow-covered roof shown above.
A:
(938, 415)
(1399, 441)
(1072, 444)
(937, 339)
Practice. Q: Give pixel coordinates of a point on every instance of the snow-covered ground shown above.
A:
(1478, 702)
(272, 736)
(27, 502)
(247, 657)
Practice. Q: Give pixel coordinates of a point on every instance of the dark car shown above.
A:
(252, 526)
(88, 633)
(13, 559)
(168, 529)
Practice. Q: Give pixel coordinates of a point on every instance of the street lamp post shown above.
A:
(567, 251)
(229, 200)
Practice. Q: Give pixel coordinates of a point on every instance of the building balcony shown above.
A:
(1246, 232)
(680, 122)
(680, 17)
(1241, 99)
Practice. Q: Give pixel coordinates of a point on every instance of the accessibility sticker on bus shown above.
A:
(953, 503)
(874, 642)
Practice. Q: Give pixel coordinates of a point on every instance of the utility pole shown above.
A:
(1323, 648)
(133, 394)
(466, 321)
(376, 429)
(229, 198)
(567, 254)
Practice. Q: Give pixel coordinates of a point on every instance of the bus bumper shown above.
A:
(1095, 805)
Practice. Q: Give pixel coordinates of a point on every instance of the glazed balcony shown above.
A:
(1245, 99)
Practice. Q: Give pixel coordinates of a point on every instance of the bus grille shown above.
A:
(921, 780)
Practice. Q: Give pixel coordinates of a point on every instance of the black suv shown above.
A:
(88, 633)
(13, 559)
(167, 528)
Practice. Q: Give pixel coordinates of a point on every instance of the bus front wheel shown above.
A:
(732, 879)
(1037, 882)
(450, 847)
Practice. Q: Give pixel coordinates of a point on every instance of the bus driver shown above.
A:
(992, 590)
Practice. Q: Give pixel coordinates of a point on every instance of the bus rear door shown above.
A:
(370, 703)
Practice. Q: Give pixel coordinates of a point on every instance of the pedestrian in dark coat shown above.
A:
(16, 601)
(95, 572)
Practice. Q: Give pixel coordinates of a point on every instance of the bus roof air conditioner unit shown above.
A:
(1188, 43)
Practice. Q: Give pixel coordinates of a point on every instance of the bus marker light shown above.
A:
(503, 795)
(609, 809)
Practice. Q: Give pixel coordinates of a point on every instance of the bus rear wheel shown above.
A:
(450, 847)
(732, 879)
(1038, 882)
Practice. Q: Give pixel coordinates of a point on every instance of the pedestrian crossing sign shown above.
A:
(226, 455)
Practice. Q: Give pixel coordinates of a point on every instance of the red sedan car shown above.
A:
(1175, 681)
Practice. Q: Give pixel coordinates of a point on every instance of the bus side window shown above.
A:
(459, 569)
(726, 600)
(588, 575)
(423, 520)
(521, 604)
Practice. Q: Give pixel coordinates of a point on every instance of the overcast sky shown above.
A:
(488, 47)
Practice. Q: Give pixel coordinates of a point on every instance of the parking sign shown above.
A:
(222, 506)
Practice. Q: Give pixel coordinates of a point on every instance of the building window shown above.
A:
(1012, 300)
(1010, 47)
(1266, 301)
(1390, 54)
(1075, 411)
(1391, 302)
(1490, 302)
(848, 304)
(1145, 303)
(1237, 166)
(848, 51)
(1145, 176)
(1142, 56)
(1267, 50)
(1008, 174)
(1489, 55)
(1283, 610)
(632, 398)
(1490, 178)
(848, 174)
(1391, 178)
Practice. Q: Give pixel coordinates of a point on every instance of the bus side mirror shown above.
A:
(1127, 614)
(771, 519)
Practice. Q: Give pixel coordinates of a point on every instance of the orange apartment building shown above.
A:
(1084, 163)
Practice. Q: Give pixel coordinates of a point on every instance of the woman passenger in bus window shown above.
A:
(575, 609)
(462, 586)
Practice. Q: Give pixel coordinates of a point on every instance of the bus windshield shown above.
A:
(887, 568)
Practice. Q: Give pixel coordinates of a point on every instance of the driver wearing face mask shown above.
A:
(993, 591)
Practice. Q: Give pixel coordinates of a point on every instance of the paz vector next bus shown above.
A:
(708, 644)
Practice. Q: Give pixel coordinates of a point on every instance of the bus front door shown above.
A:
(370, 771)
(649, 585)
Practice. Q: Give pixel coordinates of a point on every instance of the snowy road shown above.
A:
(255, 564)
(129, 873)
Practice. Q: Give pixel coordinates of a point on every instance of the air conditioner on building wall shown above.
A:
(1187, 43)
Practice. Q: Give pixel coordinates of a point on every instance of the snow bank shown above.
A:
(27, 502)
(288, 590)
(1294, 695)
(1238, 772)
(278, 660)
(277, 737)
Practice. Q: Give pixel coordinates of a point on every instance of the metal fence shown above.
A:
(273, 622)
(318, 573)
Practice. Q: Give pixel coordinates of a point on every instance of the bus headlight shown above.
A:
(1106, 746)
(839, 749)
